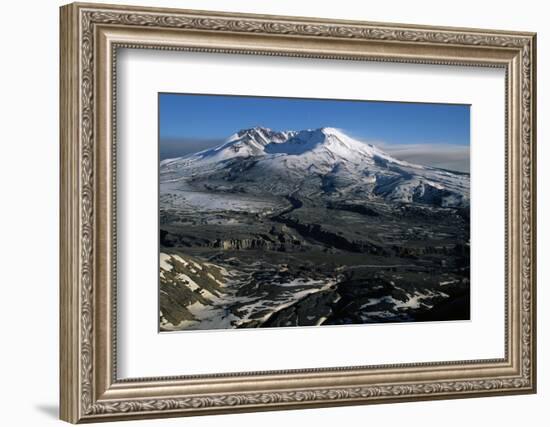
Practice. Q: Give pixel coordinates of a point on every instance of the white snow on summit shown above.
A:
(324, 160)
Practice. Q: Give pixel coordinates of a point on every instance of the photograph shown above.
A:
(277, 212)
(288, 208)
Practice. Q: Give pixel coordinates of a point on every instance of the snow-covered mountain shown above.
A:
(323, 163)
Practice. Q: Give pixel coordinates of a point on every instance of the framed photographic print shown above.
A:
(265, 212)
(272, 228)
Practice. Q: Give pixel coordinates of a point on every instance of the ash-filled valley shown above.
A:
(309, 228)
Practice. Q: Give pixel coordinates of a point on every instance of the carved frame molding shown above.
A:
(90, 36)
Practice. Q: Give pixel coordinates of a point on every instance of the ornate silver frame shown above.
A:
(90, 36)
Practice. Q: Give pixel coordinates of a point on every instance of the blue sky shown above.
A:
(189, 123)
